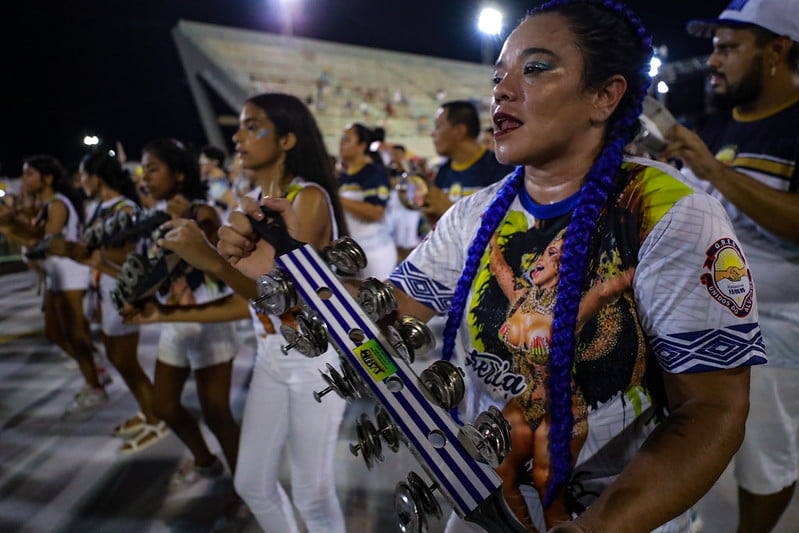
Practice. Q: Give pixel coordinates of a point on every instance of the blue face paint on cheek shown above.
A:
(261, 134)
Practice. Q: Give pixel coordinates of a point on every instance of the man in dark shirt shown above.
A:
(469, 167)
(747, 156)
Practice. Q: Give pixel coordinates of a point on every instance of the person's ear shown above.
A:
(288, 141)
(606, 99)
(462, 131)
(777, 52)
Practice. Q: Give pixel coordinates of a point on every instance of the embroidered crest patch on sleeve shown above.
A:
(729, 281)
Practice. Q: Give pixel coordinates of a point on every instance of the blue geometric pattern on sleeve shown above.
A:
(421, 287)
(711, 349)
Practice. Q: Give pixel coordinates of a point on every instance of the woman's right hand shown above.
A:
(241, 247)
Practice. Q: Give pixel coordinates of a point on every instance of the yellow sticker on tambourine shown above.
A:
(375, 360)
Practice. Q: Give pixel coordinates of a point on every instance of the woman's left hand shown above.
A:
(241, 247)
(185, 238)
(143, 313)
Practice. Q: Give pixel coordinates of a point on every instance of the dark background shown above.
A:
(110, 68)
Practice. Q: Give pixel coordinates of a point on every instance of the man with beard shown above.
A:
(748, 157)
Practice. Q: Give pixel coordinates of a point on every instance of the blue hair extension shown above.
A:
(491, 219)
(599, 184)
(593, 198)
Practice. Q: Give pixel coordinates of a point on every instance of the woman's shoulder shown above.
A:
(58, 204)
(663, 193)
(302, 188)
(657, 174)
(659, 184)
(374, 170)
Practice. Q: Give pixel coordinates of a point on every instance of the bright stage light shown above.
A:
(490, 21)
(91, 140)
(654, 66)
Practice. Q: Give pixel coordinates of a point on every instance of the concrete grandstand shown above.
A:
(341, 83)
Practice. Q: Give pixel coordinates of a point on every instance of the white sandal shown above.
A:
(146, 437)
(130, 426)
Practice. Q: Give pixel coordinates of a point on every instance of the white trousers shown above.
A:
(281, 411)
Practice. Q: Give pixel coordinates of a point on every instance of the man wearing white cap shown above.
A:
(748, 155)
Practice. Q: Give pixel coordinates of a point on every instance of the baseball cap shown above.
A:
(778, 16)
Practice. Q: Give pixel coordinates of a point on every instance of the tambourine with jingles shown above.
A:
(375, 364)
(411, 190)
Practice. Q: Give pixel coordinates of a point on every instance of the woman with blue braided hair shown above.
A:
(589, 294)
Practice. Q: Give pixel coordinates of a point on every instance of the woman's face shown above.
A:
(32, 179)
(349, 147)
(545, 270)
(257, 143)
(89, 182)
(540, 110)
(161, 181)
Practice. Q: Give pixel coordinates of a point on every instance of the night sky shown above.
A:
(110, 67)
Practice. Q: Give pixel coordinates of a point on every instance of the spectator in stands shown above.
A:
(66, 281)
(212, 172)
(469, 166)
(364, 189)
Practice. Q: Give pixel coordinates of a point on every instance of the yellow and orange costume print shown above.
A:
(512, 310)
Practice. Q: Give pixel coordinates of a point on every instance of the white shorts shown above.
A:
(405, 227)
(63, 274)
(195, 345)
(110, 320)
(768, 460)
(381, 258)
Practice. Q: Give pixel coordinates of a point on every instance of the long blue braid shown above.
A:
(599, 184)
(491, 219)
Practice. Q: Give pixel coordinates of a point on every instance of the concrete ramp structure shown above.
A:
(340, 83)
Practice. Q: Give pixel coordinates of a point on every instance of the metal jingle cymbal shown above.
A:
(346, 255)
(442, 383)
(376, 298)
(387, 428)
(276, 293)
(410, 517)
(369, 444)
(426, 497)
(416, 335)
(313, 328)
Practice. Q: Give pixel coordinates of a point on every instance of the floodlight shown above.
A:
(490, 21)
(654, 66)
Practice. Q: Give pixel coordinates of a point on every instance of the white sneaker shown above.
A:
(86, 402)
(189, 474)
